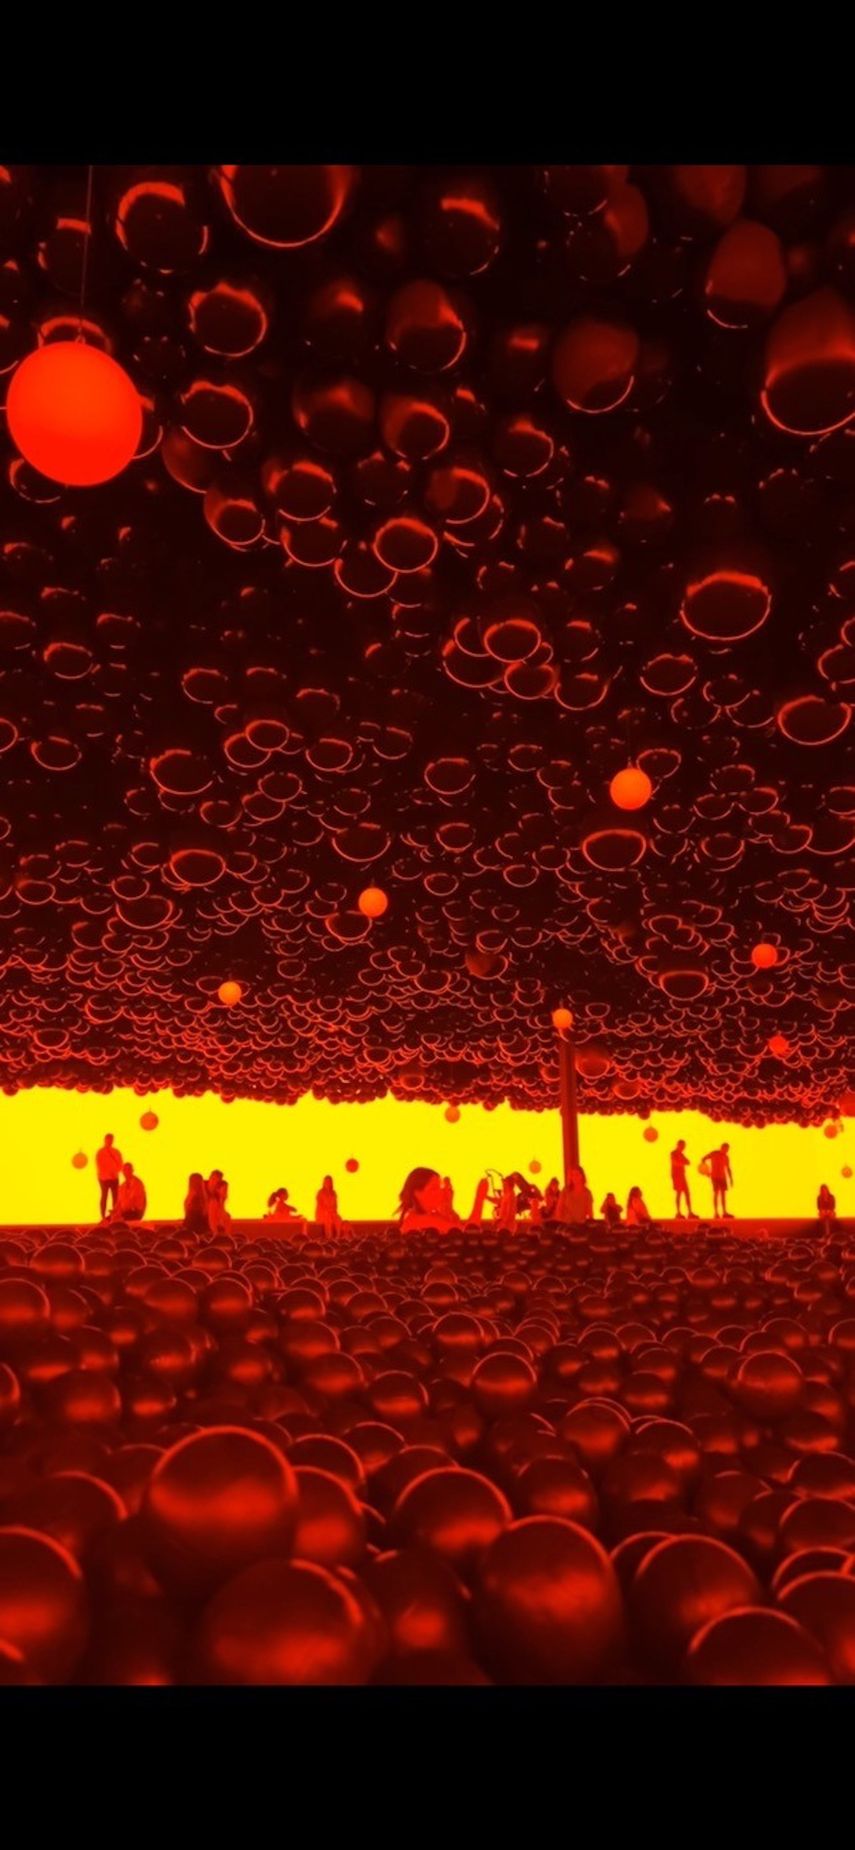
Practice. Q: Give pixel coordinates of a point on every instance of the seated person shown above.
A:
(611, 1211)
(279, 1207)
(575, 1202)
(636, 1209)
(131, 1202)
(421, 1203)
(550, 1199)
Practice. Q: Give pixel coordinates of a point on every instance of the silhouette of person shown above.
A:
(506, 1206)
(131, 1202)
(326, 1207)
(421, 1203)
(550, 1198)
(576, 1203)
(196, 1206)
(637, 1214)
(679, 1171)
(447, 1196)
(717, 1166)
(826, 1207)
(219, 1218)
(611, 1211)
(279, 1206)
(108, 1167)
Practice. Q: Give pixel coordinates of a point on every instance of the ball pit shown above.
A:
(559, 1456)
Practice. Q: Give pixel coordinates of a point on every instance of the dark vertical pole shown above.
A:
(569, 1113)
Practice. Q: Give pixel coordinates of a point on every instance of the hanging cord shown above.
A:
(87, 239)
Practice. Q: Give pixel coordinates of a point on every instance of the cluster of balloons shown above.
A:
(560, 1457)
(377, 635)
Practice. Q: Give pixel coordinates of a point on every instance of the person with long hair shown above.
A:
(826, 1208)
(196, 1218)
(219, 1218)
(611, 1211)
(279, 1207)
(550, 1198)
(421, 1203)
(637, 1214)
(576, 1203)
(326, 1207)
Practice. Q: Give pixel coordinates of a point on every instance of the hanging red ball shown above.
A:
(74, 413)
(764, 956)
(631, 788)
(372, 902)
(149, 1121)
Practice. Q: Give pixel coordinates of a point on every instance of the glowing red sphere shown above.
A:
(74, 414)
(229, 994)
(373, 902)
(630, 788)
(764, 956)
(149, 1121)
(562, 1019)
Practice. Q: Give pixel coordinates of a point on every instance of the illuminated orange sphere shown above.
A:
(74, 414)
(149, 1121)
(764, 956)
(351, 1165)
(562, 1019)
(80, 1160)
(452, 1114)
(372, 902)
(831, 1130)
(534, 1167)
(651, 1134)
(229, 994)
(778, 1044)
(631, 788)
(846, 1173)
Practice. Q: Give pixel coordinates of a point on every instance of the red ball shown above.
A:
(548, 1604)
(556, 1487)
(422, 1601)
(216, 1502)
(284, 1623)
(754, 1647)
(502, 1383)
(679, 1587)
(72, 1507)
(330, 1524)
(767, 1385)
(595, 1434)
(825, 1605)
(74, 414)
(817, 1522)
(454, 1512)
(43, 1606)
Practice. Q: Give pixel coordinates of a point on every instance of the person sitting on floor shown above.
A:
(279, 1207)
(131, 1203)
(611, 1210)
(636, 1209)
(421, 1203)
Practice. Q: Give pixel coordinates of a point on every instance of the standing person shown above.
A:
(217, 1189)
(717, 1166)
(576, 1203)
(611, 1211)
(326, 1208)
(108, 1167)
(637, 1214)
(131, 1202)
(506, 1206)
(196, 1206)
(550, 1199)
(679, 1170)
(826, 1207)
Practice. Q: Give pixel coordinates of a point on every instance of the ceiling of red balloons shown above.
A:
(459, 493)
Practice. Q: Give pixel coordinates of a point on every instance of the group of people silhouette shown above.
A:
(119, 1184)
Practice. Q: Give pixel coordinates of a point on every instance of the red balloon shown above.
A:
(74, 414)
(423, 1603)
(284, 1623)
(330, 1523)
(548, 1606)
(679, 1587)
(44, 1610)
(753, 1646)
(216, 1502)
(825, 1605)
(454, 1512)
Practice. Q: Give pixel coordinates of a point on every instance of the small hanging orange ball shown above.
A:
(149, 1121)
(534, 1167)
(452, 1114)
(779, 1045)
(831, 1130)
(651, 1134)
(631, 788)
(562, 1018)
(764, 956)
(229, 994)
(846, 1173)
(74, 414)
(80, 1160)
(351, 1165)
(373, 902)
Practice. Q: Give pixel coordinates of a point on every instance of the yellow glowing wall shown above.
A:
(259, 1147)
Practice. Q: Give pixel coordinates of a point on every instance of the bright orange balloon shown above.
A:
(764, 956)
(846, 1173)
(372, 902)
(74, 414)
(651, 1134)
(562, 1018)
(778, 1044)
(80, 1160)
(149, 1121)
(229, 994)
(631, 789)
(452, 1114)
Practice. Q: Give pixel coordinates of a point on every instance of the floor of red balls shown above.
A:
(562, 1457)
